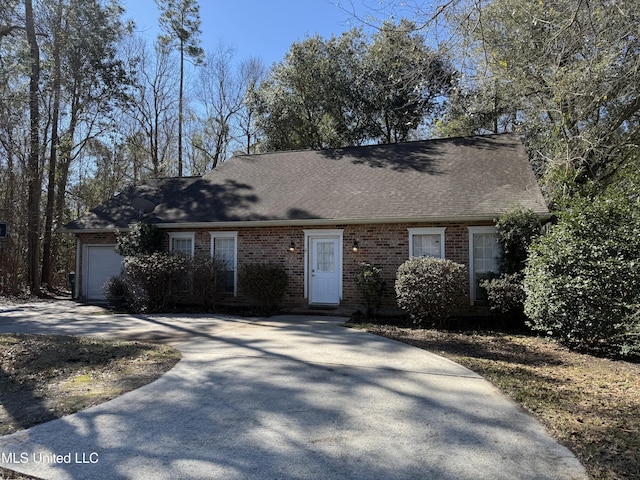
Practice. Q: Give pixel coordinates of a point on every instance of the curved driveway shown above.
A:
(286, 397)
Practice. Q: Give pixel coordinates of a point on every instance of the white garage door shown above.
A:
(101, 262)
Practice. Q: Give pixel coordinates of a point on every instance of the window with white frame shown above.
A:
(224, 248)
(484, 259)
(182, 243)
(426, 242)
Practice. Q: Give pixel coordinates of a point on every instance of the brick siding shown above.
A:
(384, 245)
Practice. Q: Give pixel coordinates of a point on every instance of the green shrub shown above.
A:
(427, 288)
(505, 293)
(368, 279)
(208, 274)
(117, 292)
(153, 279)
(265, 284)
(141, 239)
(517, 229)
(124, 294)
(583, 278)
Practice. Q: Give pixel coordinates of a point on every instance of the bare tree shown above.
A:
(221, 90)
(253, 71)
(180, 20)
(153, 105)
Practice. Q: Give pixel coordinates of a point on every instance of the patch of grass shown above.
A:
(43, 377)
(589, 404)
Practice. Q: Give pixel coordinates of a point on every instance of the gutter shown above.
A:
(543, 216)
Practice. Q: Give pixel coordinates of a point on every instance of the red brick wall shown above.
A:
(385, 245)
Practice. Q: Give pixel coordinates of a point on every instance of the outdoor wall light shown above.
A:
(292, 247)
(356, 246)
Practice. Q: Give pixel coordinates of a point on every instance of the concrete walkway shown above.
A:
(281, 398)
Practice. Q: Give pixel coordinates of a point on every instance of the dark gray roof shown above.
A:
(434, 180)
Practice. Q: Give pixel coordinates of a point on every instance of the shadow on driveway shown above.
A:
(290, 398)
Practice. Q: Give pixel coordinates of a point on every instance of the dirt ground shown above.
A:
(46, 377)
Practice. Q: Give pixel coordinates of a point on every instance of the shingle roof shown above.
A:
(460, 178)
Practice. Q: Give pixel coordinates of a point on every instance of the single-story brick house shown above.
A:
(321, 213)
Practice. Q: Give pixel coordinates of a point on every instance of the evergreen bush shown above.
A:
(208, 274)
(141, 239)
(153, 278)
(517, 229)
(427, 288)
(117, 292)
(369, 282)
(506, 293)
(582, 280)
(265, 284)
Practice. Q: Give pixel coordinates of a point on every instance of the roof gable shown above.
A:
(471, 177)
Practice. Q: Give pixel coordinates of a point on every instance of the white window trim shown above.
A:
(427, 231)
(233, 235)
(182, 235)
(472, 276)
(320, 233)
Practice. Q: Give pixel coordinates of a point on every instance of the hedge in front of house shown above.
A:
(427, 288)
(369, 282)
(147, 282)
(265, 284)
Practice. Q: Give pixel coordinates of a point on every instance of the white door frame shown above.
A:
(309, 236)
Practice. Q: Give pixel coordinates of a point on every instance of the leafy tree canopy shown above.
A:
(566, 73)
(352, 89)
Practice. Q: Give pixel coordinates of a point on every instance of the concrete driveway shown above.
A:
(281, 398)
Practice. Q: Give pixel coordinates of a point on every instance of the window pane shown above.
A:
(486, 260)
(427, 246)
(325, 257)
(486, 253)
(182, 246)
(224, 249)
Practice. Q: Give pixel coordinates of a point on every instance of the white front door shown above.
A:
(326, 271)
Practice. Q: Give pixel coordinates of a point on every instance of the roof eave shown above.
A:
(314, 221)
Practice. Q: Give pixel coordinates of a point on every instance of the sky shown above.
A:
(262, 28)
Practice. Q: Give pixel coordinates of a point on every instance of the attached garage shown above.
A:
(100, 262)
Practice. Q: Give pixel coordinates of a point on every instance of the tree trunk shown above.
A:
(48, 261)
(33, 174)
(180, 106)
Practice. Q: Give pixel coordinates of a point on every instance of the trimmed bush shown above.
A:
(505, 293)
(117, 292)
(370, 284)
(517, 229)
(207, 274)
(265, 284)
(583, 278)
(152, 279)
(123, 294)
(427, 288)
